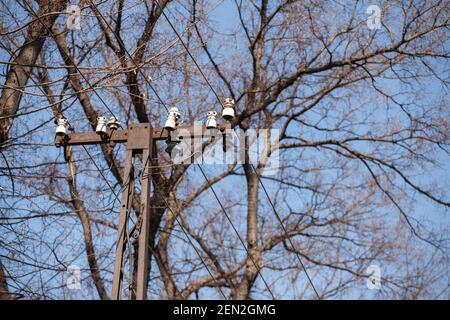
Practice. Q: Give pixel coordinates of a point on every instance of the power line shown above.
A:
(96, 93)
(66, 108)
(101, 173)
(218, 98)
(203, 173)
(192, 244)
(130, 56)
(285, 231)
(101, 99)
(237, 233)
(188, 52)
(76, 67)
(229, 220)
(162, 102)
(95, 164)
(159, 98)
(182, 229)
(143, 176)
(268, 197)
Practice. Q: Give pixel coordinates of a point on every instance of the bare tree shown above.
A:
(360, 109)
(20, 69)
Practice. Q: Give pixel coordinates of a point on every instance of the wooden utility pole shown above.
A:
(140, 139)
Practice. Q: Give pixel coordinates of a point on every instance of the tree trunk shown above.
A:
(20, 70)
(4, 291)
(243, 290)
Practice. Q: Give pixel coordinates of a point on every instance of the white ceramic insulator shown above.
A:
(101, 125)
(228, 109)
(211, 122)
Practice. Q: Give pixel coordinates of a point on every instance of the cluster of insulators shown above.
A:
(102, 125)
(174, 116)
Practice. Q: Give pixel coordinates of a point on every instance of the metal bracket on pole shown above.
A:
(139, 142)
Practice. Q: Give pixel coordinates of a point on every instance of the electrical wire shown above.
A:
(95, 164)
(188, 52)
(76, 67)
(259, 178)
(162, 102)
(237, 233)
(228, 218)
(285, 231)
(101, 173)
(131, 57)
(209, 184)
(203, 173)
(167, 165)
(218, 98)
(88, 151)
(96, 93)
(181, 227)
(195, 248)
(185, 233)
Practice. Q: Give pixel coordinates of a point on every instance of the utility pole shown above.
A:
(140, 140)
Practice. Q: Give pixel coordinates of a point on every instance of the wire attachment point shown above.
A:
(228, 109)
(173, 119)
(113, 123)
